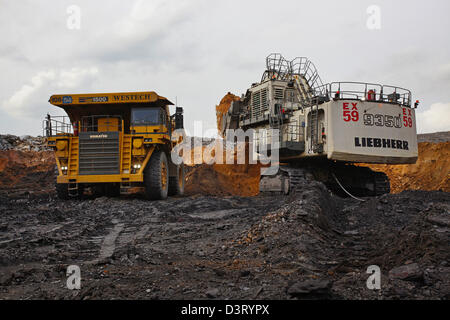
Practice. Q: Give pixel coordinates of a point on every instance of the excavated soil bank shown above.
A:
(26, 171)
(221, 179)
(223, 107)
(430, 172)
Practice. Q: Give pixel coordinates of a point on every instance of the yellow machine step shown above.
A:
(73, 157)
(126, 153)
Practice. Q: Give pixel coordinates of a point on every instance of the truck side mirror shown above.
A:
(179, 118)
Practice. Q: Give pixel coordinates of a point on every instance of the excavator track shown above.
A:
(297, 177)
(382, 184)
(359, 181)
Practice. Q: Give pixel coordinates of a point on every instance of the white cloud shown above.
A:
(23, 102)
(436, 118)
(148, 18)
(197, 50)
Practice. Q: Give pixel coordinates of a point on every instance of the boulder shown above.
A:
(407, 272)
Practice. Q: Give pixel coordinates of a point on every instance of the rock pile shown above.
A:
(22, 143)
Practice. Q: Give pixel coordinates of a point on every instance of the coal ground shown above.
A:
(308, 245)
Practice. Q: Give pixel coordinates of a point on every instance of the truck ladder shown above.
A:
(126, 154)
(73, 157)
(72, 187)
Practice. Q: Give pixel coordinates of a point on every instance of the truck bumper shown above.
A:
(100, 178)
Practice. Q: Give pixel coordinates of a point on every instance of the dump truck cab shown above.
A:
(115, 141)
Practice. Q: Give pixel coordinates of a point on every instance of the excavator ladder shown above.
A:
(313, 127)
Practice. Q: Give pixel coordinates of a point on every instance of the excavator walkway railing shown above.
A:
(365, 91)
(289, 137)
(279, 68)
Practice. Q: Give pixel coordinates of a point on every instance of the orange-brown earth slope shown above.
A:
(33, 170)
(430, 172)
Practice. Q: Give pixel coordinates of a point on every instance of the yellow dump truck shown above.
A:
(112, 142)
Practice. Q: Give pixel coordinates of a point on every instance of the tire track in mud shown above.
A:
(109, 242)
(120, 236)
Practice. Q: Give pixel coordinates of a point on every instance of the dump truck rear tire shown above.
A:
(156, 177)
(176, 183)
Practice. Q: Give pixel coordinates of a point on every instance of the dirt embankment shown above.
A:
(430, 172)
(223, 107)
(32, 171)
(26, 165)
(223, 180)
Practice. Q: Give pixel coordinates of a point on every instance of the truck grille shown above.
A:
(99, 153)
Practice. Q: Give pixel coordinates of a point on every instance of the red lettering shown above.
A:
(352, 115)
(407, 121)
(346, 115)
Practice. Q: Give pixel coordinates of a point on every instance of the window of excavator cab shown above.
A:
(145, 116)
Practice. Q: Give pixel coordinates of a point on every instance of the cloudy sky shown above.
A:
(195, 51)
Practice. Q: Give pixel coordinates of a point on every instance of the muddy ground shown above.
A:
(210, 244)
(308, 245)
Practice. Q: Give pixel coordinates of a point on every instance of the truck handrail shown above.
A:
(56, 125)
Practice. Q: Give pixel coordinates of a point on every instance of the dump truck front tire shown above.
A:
(112, 190)
(176, 183)
(62, 191)
(156, 177)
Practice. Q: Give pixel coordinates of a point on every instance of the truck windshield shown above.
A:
(147, 116)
